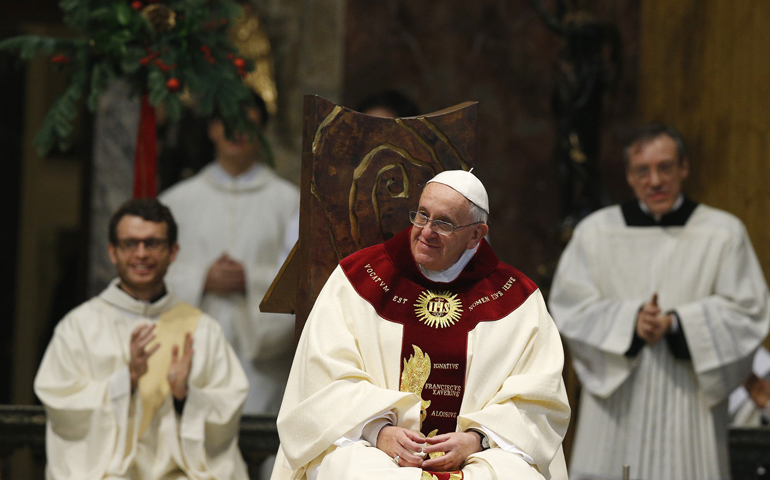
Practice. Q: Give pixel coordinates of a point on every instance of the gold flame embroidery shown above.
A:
(413, 377)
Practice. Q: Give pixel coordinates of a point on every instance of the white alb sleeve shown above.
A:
(368, 429)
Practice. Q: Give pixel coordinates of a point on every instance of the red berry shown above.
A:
(230, 56)
(239, 62)
(144, 61)
(172, 84)
(136, 5)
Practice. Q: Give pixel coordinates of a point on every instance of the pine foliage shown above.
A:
(162, 47)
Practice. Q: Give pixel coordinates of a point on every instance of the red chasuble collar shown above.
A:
(436, 317)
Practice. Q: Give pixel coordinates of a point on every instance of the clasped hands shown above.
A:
(178, 371)
(651, 324)
(226, 276)
(410, 448)
(759, 390)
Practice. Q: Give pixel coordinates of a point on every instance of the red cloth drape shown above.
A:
(146, 157)
(456, 475)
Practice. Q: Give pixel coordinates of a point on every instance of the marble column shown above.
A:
(115, 128)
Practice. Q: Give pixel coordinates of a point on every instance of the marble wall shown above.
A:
(501, 54)
(307, 39)
(704, 68)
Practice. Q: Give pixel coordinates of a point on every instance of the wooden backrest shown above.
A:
(361, 176)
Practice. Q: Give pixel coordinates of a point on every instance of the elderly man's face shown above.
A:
(655, 173)
(439, 252)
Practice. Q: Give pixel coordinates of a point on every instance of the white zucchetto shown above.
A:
(466, 184)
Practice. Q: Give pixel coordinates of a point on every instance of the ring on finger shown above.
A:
(397, 459)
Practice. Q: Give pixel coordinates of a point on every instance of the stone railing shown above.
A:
(24, 426)
(750, 453)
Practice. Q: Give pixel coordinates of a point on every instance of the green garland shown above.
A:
(162, 47)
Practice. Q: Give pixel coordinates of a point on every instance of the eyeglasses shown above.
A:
(441, 227)
(150, 244)
(664, 169)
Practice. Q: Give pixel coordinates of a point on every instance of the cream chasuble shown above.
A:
(249, 218)
(664, 416)
(379, 341)
(93, 420)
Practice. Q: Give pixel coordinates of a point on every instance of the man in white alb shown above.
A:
(237, 222)
(663, 304)
(427, 358)
(136, 384)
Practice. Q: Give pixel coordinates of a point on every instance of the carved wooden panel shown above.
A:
(361, 176)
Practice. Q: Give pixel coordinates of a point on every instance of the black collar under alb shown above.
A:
(636, 217)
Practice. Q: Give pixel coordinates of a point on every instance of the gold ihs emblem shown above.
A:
(438, 309)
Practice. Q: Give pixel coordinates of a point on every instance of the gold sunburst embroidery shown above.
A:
(438, 309)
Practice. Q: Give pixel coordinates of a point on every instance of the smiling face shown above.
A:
(141, 269)
(438, 252)
(655, 173)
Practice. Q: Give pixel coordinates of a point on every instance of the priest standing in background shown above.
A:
(237, 221)
(663, 303)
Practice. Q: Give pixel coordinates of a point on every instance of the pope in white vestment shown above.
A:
(661, 406)
(95, 428)
(251, 218)
(465, 347)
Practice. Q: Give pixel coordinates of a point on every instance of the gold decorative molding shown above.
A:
(249, 36)
(361, 169)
